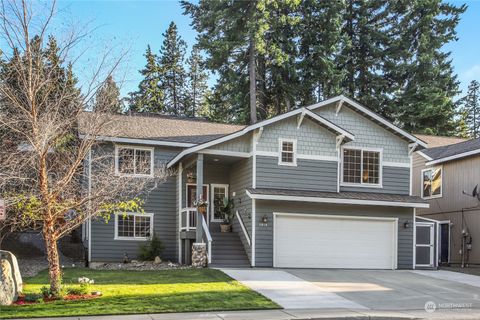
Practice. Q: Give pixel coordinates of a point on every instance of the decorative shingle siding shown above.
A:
(312, 139)
(241, 179)
(367, 133)
(307, 175)
(240, 144)
(161, 202)
(264, 234)
(396, 180)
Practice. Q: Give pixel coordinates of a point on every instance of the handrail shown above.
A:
(190, 219)
(209, 239)
(240, 220)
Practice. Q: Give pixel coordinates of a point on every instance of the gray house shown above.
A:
(445, 176)
(324, 186)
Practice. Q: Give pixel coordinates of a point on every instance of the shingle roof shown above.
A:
(438, 141)
(157, 127)
(367, 196)
(453, 149)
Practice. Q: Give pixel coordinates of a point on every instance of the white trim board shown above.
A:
(454, 157)
(337, 200)
(140, 141)
(134, 238)
(258, 125)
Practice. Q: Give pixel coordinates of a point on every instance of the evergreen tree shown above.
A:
(470, 111)
(107, 98)
(150, 96)
(197, 84)
(173, 75)
(425, 80)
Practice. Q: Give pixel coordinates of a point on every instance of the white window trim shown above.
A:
(152, 157)
(194, 184)
(363, 184)
(135, 214)
(441, 185)
(212, 207)
(280, 150)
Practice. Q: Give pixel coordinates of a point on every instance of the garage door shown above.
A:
(319, 241)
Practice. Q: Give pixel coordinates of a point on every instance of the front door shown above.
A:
(219, 193)
(192, 195)
(444, 242)
(425, 243)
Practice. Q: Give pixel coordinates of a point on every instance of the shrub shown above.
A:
(32, 297)
(150, 249)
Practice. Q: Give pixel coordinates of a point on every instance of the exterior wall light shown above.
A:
(406, 225)
(264, 219)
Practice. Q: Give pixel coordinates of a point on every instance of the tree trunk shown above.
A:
(253, 80)
(54, 271)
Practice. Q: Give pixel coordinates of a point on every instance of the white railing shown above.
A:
(240, 220)
(188, 219)
(209, 239)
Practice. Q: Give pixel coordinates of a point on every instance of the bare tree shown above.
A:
(48, 142)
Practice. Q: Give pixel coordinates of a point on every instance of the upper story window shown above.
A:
(287, 152)
(362, 167)
(134, 161)
(133, 226)
(432, 183)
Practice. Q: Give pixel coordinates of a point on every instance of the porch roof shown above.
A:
(360, 198)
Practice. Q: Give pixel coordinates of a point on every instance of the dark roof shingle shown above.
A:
(157, 127)
(367, 196)
(453, 149)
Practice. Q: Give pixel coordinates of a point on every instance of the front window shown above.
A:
(361, 166)
(132, 161)
(432, 183)
(134, 226)
(287, 152)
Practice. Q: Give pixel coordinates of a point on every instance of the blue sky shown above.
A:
(135, 24)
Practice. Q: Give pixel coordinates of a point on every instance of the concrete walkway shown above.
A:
(451, 276)
(289, 291)
(293, 314)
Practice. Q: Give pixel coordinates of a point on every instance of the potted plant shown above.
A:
(201, 205)
(226, 209)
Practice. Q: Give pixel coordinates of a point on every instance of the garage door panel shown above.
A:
(333, 242)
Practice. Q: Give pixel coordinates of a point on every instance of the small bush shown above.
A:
(32, 297)
(150, 249)
(78, 291)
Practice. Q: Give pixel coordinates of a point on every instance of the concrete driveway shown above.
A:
(360, 289)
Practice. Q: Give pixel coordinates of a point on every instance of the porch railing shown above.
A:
(242, 225)
(208, 237)
(188, 219)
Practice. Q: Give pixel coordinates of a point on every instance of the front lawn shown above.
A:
(127, 292)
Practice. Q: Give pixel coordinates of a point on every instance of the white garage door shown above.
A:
(319, 241)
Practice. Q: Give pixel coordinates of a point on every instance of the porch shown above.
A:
(214, 177)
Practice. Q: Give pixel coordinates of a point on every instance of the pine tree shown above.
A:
(150, 96)
(318, 69)
(425, 81)
(470, 110)
(173, 75)
(196, 84)
(107, 98)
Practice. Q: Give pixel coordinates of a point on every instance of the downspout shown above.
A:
(89, 205)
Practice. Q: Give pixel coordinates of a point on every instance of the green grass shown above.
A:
(128, 292)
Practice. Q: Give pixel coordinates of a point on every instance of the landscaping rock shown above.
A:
(199, 255)
(17, 277)
(138, 266)
(157, 260)
(7, 284)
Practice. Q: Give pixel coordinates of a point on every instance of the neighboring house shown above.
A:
(324, 186)
(442, 176)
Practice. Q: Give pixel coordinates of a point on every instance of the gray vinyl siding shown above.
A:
(264, 234)
(161, 202)
(307, 175)
(396, 180)
(241, 179)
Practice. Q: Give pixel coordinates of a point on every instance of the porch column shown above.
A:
(199, 230)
